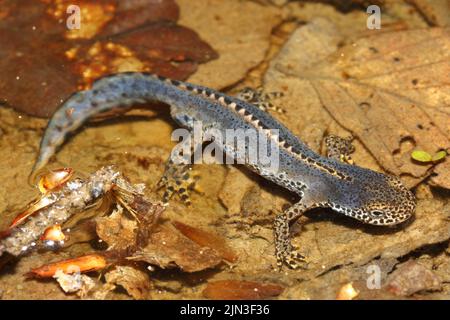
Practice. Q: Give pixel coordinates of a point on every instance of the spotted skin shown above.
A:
(260, 98)
(360, 193)
(340, 148)
(178, 179)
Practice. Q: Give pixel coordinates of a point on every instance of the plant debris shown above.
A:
(77, 282)
(116, 230)
(168, 248)
(75, 197)
(136, 282)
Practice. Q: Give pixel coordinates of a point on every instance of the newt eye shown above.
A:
(377, 213)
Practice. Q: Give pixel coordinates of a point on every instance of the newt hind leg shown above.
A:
(263, 100)
(284, 250)
(178, 179)
(340, 148)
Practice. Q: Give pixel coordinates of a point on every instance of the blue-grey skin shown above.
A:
(366, 195)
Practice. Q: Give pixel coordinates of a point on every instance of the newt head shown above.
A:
(376, 198)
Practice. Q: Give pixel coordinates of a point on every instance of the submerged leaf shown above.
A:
(118, 231)
(241, 290)
(169, 248)
(207, 239)
(113, 36)
(134, 281)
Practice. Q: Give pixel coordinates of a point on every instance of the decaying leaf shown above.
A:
(123, 236)
(117, 230)
(388, 89)
(241, 290)
(169, 248)
(412, 277)
(122, 232)
(133, 280)
(114, 36)
(207, 239)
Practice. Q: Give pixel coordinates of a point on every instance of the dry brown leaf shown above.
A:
(241, 290)
(134, 281)
(390, 89)
(169, 248)
(441, 175)
(207, 239)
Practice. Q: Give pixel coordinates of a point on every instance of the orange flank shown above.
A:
(53, 233)
(87, 263)
(54, 179)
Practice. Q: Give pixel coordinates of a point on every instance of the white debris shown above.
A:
(76, 282)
